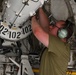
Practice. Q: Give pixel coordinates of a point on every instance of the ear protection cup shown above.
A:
(62, 33)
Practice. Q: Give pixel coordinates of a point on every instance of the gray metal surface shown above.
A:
(59, 9)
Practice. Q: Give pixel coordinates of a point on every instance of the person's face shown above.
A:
(54, 29)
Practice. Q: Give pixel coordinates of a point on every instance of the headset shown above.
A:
(63, 32)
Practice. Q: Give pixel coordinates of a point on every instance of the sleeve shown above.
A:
(55, 44)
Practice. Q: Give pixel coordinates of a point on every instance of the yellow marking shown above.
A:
(36, 70)
(68, 72)
(14, 28)
(71, 72)
(4, 24)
